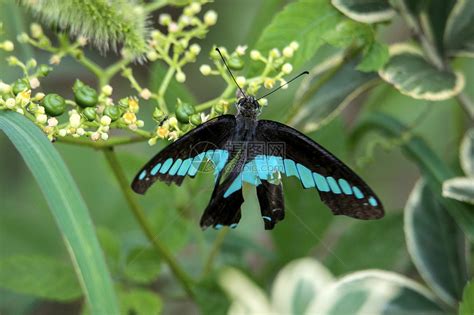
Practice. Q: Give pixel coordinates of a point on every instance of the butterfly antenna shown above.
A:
(299, 75)
(230, 72)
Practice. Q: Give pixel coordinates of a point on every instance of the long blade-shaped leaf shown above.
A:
(68, 209)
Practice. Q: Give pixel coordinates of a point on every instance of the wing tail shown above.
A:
(272, 206)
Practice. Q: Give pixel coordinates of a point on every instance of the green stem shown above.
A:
(214, 251)
(158, 4)
(466, 104)
(164, 85)
(179, 273)
(111, 71)
(90, 65)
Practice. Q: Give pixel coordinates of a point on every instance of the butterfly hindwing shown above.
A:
(272, 206)
(184, 157)
(339, 187)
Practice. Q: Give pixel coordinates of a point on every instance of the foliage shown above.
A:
(54, 89)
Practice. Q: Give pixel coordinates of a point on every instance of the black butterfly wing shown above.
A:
(224, 207)
(184, 156)
(343, 191)
(272, 205)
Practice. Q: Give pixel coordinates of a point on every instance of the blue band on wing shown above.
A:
(166, 166)
(183, 169)
(155, 169)
(306, 176)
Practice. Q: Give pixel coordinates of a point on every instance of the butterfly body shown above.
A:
(244, 149)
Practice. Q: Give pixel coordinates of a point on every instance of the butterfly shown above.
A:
(243, 149)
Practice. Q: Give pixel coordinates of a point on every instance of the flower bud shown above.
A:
(180, 77)
(75, 120)
(240, 50)
(195, 49)
(241, 81)
(287, 68)
(7, 45)
(210, 18)
(104, 136)
(107, 90)
(41, 118)
(275, 53)
(164, 19)
(288, 52)
(36, 30)
(105, 120)
(255, 55)
(269, 83)
(10, 103)
(205, 69)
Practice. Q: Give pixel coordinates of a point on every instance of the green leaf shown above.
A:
(432, 16)
(140, 302)
(459, 34)
(67, 207)
(467, 305)
(40, 276)
(372, 11)
(320, 99)
(303, 21)
(345, 257)
(110, 246)
(431, 166)
(210, 297)
(143, 265)
(375, 57)
(375, 292)
(410, 73)
(436, 244)
(467, 153)
(459, 188)
(298, 284)
(346, 32)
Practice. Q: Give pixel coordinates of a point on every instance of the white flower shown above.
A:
(80, 131)
(241, 80)
(173, 136)
(287, 68)
(288, 52)
(75, 120)
(195, 49)
(105, 120)
(41, 118)
(210, 18)
(205, 69)
(164, 19)
(173, 122)
(4, 88)
(180, 77)
(52, 122)
(95, 136)
(7, 45)
(195, 7)
(240, 50)
(62, 132)
(255, 55)
(173, 27)
(275, 53)
(36, 30)
(145, 94)
(34, 83)
(204, 117)
(104, 136)
(107, 90)
(10, 103)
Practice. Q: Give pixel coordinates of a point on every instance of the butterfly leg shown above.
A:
(272, 207)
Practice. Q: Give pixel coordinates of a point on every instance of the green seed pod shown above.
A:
(54, 105)
(20, 85)
(89, 113)
(123, 103)
(183, 112)
(235, 63)
(84, 95)
(113, 112)
(219, 108)
(195, 119)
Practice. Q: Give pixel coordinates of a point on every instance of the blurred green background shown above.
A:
(342, 244)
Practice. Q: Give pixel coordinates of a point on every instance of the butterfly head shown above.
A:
(248, 106)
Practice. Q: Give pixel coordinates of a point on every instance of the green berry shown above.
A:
(84, 95)
(113, 112)
(20, 85)
(235, 63)
(54, 105)
(89, 113)
(183, 112)
(195, 119)
(44, 70)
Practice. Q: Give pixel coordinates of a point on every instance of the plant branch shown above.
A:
(214, 250)
(160, 247)
(161, 91)
(103, 144)
(227, 92)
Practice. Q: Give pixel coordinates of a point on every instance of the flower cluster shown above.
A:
(93, 113)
